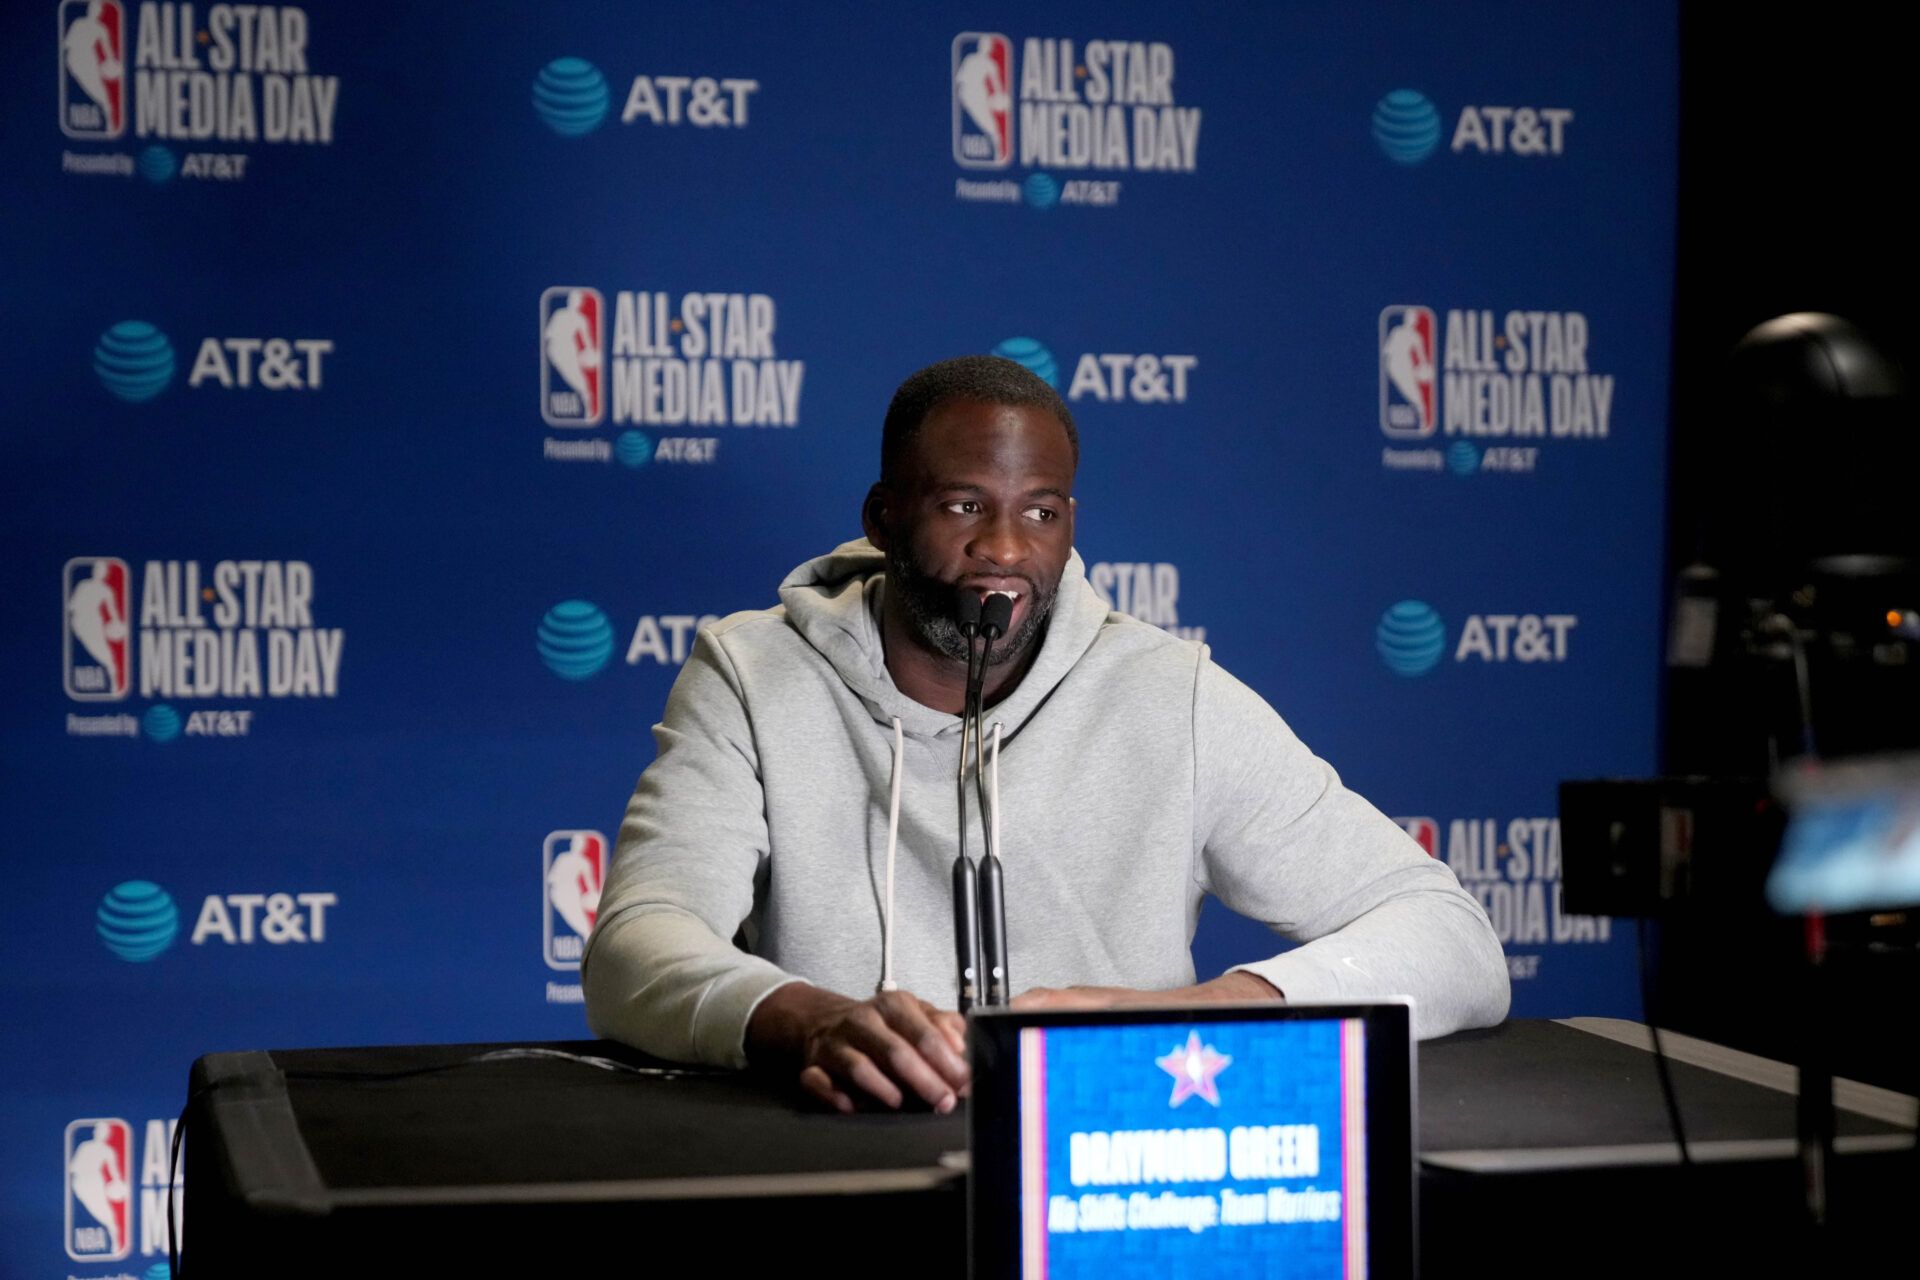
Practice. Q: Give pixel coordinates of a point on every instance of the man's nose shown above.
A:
(1001, 541)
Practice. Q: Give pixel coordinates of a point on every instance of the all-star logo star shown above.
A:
(1193, 1067)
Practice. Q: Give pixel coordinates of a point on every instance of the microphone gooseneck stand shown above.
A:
(966, 889)
(996, 614)
(979, 894)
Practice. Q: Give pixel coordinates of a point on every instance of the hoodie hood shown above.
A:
(834, 602)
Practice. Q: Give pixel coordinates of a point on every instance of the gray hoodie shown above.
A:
(1135, 778)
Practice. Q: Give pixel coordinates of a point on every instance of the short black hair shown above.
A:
(979, 379)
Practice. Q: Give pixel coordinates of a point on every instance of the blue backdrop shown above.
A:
(392, 389)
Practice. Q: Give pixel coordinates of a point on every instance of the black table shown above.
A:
(1543, 1145)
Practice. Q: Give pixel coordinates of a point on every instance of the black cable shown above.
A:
(1659, 1052)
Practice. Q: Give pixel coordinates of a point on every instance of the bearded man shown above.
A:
(754, 915)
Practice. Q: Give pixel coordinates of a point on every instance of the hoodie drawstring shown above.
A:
(893, 843)
(893, 833)
(993, 790)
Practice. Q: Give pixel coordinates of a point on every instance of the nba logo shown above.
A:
(99, 1190)
(1425, 833)
(982, 100)
(93, 75)
(99, 660)
(1406, 373)
(571, 387)
(574, 863)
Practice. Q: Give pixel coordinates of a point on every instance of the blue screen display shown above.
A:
(1856, 853)
(1151, 1150)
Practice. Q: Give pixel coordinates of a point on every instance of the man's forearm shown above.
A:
(1433, 947)
(662, 981)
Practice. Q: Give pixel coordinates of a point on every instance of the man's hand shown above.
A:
(1228, 987)
(884, 1050)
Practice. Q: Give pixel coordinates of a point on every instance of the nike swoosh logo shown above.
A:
(1348, 961)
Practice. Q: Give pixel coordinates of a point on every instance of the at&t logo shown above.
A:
(137, 920)
(1407, 126)
(1411, 638)
(135, 362)
(162, 723)
(281, 918)
(1515, 637)
(1033, 355)
(278, 364)
(571, 97)
(1109, 377)
(1524, 131)
(575, 640)
(665, 639)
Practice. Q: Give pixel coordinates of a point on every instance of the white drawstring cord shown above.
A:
(893, 842)
(993, 790)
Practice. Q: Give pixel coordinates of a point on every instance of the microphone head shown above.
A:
(966, 611)
(996, 612)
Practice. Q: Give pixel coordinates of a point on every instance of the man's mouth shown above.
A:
(1018, 592)
(1015, 590)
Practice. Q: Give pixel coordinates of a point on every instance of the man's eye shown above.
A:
(1042, 514)
(964, 507)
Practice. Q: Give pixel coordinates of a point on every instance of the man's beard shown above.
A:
(928, 604)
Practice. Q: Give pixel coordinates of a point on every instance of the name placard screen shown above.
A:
(1147, 1149)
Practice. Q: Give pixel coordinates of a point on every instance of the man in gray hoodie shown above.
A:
(781, 887)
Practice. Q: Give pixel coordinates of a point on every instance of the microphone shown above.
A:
(966, 613)
(996, 614)
(966, 927)
(966, 892)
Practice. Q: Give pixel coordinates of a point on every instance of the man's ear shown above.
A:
(875, 519)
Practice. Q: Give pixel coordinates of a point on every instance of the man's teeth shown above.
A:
(1011, 595)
